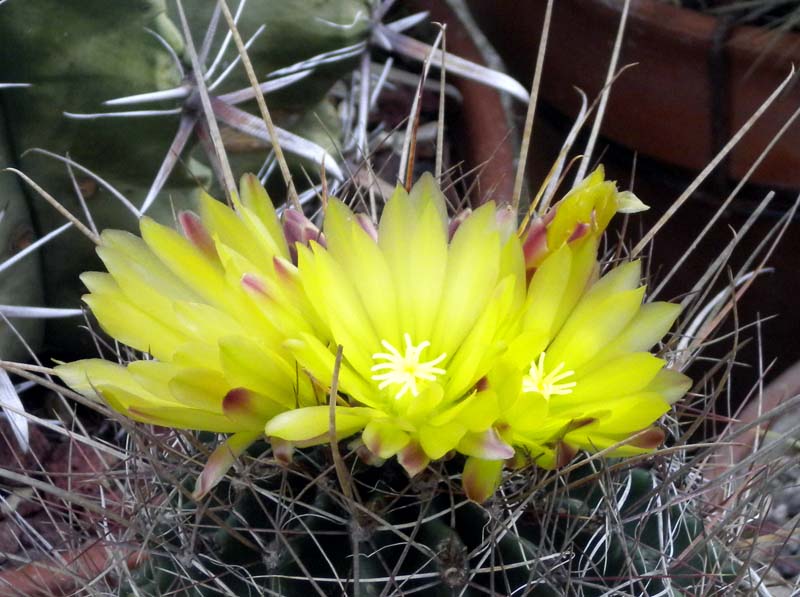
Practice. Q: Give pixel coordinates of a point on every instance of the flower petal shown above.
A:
(622, 376)
(199, 388)
(258, 203)
(481, 478)
(202, 275)
(331, 292)
(439, 440)
(364, 264)
(473, 266)
(138, 408)
(592, 326)
(227, 228)
(126, 322)
(670, 385)
(484, 343)
(318, 361)
(486, 445)
(413, 240)
(648, 326)
(383, 438)
(309, 422)
(413, 458)
(86, 375)
(246, 364)
(622, 418)
(248, 408)
(221, 460)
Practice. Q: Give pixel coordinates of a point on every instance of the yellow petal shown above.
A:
(206, 323)
(126, 322)
(650, 324)
(628, 203)
(249, 409)
(332, 292)
(592, 326)
(318, 360)
(312, 422)
(484, 343)
(130, 261)
(619, 377)
(413, 240)
(437, 441)
(383, 438)
(544, 456)
(472, 271)
(226, 227)
(623, 277)
(246, 364)
(364, 264)
(670, 385)
(480, 411)
(187, 262)
(86, 375)
(628, 416)
(486, 444)
(529, 414)
(546, 291)
(505, 380)
(154, 376)
(178, 417)
(199, 388)
(221, 460)
(583, 270)
(419, 408)
(481, 478)
(426, 192)
(255, 198)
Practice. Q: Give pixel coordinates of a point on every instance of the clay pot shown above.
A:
(45, 579)
(752, 437)
(697, 80)
(479, 130)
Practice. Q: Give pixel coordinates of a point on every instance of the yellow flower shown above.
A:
(586, 209)
(445, 344)
(213, 307)
(579, 375)
(420, 318)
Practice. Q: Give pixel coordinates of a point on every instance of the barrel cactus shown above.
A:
(422, 434)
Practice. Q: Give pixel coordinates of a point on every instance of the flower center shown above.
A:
(547, 384)
(406, 369)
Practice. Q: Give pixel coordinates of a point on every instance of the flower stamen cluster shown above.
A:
(547, 384)
(406, 369)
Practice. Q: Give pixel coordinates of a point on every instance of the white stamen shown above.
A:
(547, 384)
(405, 369)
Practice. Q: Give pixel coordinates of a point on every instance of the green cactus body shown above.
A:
(292, 525)
(295, 30)
(21, 283)
(101, 53)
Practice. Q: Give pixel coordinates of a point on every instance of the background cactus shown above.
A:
(108, 51)
(20, 284)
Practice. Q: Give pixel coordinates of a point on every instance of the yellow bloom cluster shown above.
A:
(455, 336)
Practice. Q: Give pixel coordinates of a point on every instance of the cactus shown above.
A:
(21, 283)
(291, 531)
(107, 52)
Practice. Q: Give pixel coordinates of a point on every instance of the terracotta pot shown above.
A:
(752, 437)
(697, 79)
(480, 131)
(47, 579)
